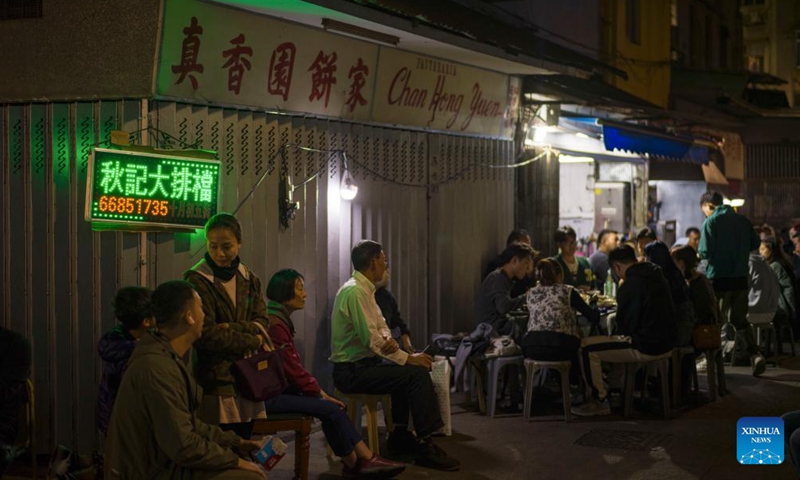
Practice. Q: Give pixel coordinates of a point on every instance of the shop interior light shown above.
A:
(571, 159)
(539, 134)
(582, 135)
(734, 202)
(609, 184)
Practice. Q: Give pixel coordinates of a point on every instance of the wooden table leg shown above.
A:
(302, 450)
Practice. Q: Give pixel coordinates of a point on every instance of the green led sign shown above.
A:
(137, 189)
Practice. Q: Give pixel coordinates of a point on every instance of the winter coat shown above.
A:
(15, 369)
(645, 311)
(218, 348)
(726, 240)
(282, 336)
(786, 300)
(764, 288)
(114, 348)
(154, 431)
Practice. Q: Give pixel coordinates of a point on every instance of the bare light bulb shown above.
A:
(348, 189)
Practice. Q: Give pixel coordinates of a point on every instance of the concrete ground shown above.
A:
(699, 443)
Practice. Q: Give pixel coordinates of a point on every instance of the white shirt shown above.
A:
(358, 328)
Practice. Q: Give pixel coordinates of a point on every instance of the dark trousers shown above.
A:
(554, 347)
(733, 307)
(339, 431)
(411, 389)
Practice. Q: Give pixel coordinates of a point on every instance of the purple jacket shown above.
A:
(115, 349)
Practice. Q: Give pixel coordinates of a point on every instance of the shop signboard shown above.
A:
(216, 54)
(140, 191)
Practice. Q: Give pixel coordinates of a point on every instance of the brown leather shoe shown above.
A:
(375, 467)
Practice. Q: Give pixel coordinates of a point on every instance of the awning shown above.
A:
(654, 143)
(672, 171)
(579, 91)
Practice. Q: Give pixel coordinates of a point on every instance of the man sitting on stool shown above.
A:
(360, 340)
(646, 327)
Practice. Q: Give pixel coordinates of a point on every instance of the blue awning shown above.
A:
(641, 140)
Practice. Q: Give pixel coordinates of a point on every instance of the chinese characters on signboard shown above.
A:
(147, 189)
(213, 53)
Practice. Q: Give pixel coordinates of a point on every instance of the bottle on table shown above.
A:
(609, 288)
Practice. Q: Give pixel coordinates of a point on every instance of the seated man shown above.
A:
(132, 310)
(519, 287)
(15, 368)
(361, 340)
(646, 327)
(494, 300)
(391, 313)
(693, 237)
(643, 238)
(155, 431)
(606, 241)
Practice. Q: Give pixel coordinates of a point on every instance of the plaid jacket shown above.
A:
(218, 348)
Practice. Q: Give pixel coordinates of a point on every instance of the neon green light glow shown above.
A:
(134, 188)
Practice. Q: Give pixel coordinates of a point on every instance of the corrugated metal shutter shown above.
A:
(57, 289)
(779, 161)
(58, 276)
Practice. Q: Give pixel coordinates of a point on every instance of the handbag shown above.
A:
(706, 337)
(261, 376)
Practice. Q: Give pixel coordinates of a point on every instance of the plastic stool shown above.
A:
(678, 354)
(715, 371)
(370, 403)
(779, 329)
(662, 367)
(771, 340)
(531, 367)
(493, 367)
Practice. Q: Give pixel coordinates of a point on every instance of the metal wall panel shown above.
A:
(771, 183)
(58, 276)
(537, 201)
(776, 161)
(57, 288)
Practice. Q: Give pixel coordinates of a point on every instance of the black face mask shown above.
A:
(223, 273)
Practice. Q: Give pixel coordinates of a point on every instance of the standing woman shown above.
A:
(577, 270)
(232, 303)
(286, 293)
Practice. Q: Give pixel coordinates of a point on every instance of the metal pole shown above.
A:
(143, 235)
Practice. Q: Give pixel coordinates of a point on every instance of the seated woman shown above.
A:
(553, 333)
(286, 294)
(784, 269)
(701, 292)
(658, 253)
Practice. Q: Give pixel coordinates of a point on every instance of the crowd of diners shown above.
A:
(169, 406)
(726, 272)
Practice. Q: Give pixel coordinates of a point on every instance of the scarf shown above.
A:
(277, 309)
(223, 273)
